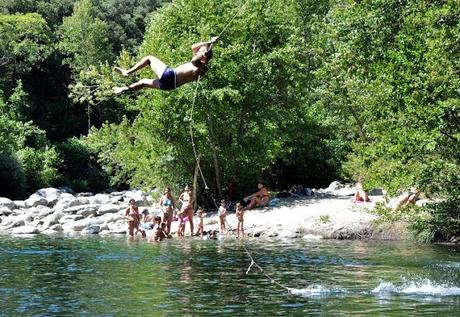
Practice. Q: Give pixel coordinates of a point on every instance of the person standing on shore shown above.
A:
(240, 217)
(222, 216)
(167, 204)
(186, 201)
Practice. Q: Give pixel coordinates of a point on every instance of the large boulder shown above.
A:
(43, 211)
(51, 220)
(8, 203)
(138, 195)
(52, 195)
(36, 200)
(80, 224)
(5, 211)
(118, 227)
(69, 218)
(106, 209)
(99, 199)
(25, 230)
(65, 203)
(91, 230)
(56, 227)
(16, 221)
(82, 201)
(87, 210)
(19, 204)
(84, 210)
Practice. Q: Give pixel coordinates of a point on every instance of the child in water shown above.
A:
(160, 233)
(222, 215)
(183, 218)
(200, 213)
(240, 217)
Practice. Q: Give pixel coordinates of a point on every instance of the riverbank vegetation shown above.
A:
(299, 91)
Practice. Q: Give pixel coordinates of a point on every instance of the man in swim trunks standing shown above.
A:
(169, 78)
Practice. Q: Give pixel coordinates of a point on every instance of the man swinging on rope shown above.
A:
(170, 78)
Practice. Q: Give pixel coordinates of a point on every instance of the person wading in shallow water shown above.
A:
(170, 78)
(167, 204)
(187, 206)
(134, 218)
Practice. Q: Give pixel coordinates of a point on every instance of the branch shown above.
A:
(450, 136)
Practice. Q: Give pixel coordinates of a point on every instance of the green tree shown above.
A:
(84, 38)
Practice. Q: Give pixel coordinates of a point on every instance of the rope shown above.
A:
(191, 135)
(253, 262)
(231, 20)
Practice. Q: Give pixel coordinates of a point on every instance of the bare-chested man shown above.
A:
(170, 78)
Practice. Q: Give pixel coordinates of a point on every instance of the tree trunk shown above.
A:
(214, 148)
(195, 183)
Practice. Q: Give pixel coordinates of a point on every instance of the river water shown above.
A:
(109, 276)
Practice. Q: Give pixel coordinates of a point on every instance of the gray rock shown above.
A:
(64, 203)
(43, 211)
(109, 218)
(70, 218)
(8, 203)
(87, 194)
(66, 189)
(116, 199)
(82, 201)
(19, 204)
(5, 211)
(105, 209)
(51, 220)
(139, 196)
(376, 192)
(57, 227)
(81, 210)
(99, 199)
(25, 230)
(47, 192)
(80, 224)
(36, 200)
(16, 221)
(52, 195)
(88, 210)
(334, 186)
(49, 232)
(91, 230)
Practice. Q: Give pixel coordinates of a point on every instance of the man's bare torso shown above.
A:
(186, 73)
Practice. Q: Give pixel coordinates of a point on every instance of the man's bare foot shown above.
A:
(122, 71)
(119, 90)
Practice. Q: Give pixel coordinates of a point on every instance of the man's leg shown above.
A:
(146, 82)
(157, 66)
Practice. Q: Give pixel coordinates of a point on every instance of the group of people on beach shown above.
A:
(157, 228)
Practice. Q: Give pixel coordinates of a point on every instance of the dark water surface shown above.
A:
(107, 276)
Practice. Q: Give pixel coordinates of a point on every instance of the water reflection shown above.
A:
(108, 276)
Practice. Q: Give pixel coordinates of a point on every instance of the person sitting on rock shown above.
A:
(170, 78)
(259, 198)
(361, 195)
(409, 199)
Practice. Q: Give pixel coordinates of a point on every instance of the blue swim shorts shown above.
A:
(168, 79)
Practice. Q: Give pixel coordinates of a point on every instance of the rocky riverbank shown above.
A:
(329, 214)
